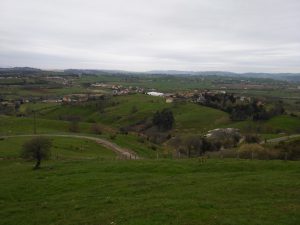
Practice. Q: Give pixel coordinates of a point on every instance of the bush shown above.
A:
(91, 120)
(134, 109)
(123, 130)
(289, 150)
(96, 129)
(226, 153)
(74, 127)
(156, 137)
(252, 138)
(141, 140)
(153, 147)
(256, 151)
(113, 136)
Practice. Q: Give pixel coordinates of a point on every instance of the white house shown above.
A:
(154, 93)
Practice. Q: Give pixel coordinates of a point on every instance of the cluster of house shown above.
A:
(197, 96)
(110, 86)
(72, 98)
(59, 80)
(169, 97)
(119, 89)
(12, 103)
(81, 97)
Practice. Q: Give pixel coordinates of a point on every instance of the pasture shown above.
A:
(128, 110)
(159, 192)
(62, 148)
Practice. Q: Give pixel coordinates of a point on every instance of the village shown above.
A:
(100, 90)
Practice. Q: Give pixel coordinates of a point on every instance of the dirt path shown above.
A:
(122, 152)
(285, 138)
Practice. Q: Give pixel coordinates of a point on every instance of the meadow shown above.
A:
(62, 148)
(189, 117)
(158, 192)
(18, 126)
(85, 183)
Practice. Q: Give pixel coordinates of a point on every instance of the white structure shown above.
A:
(153, 93)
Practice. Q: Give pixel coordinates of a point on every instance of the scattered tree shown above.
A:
(73, 127)
(38, 148)
(164, 120)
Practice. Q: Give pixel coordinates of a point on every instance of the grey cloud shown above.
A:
(236, 35)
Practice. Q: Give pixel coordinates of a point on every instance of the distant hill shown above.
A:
(276, 76)
(20, 69)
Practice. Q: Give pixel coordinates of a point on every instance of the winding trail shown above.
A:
(122, 152)
(284, 138)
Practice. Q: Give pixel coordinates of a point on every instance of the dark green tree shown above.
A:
(38, 148)
(164, 120)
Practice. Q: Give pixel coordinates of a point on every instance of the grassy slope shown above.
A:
(12, 125)
(14, 92)
(275, 125)
(62, 147)
(188, 116)
(150, 192)
(195, 118)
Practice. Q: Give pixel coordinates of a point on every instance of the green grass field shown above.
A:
(84, 183)
(14, 126)
(276, 125)
(156, 192)
(62, 148)
(15, 91)
(189, 117)
(18, 125)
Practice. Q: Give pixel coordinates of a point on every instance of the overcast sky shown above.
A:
(141, 35)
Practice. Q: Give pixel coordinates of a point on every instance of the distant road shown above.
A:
(122, 152)
(285, 138)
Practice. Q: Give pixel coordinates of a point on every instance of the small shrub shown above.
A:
(226, 153)
(134, 109)
(123, 130)
(256, 151)
(96, 129)
(289, 150)
(113, 136)
(141, 140)
(74, 127)
(153, 147)
(90, 120)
